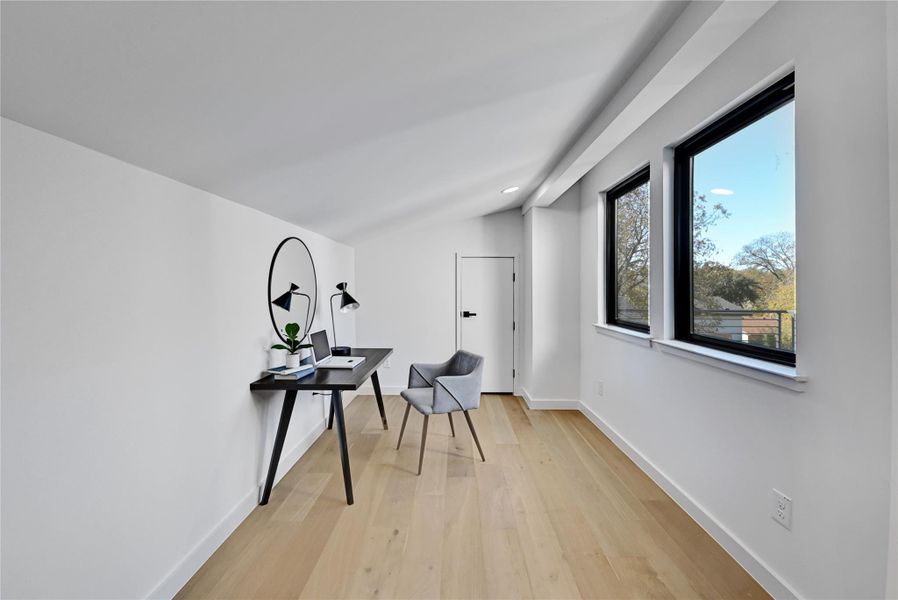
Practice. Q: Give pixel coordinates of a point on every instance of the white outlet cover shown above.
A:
(781, 509)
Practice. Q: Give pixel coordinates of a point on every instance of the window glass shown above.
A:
(743, 235)
(734, 230)
(632, 256)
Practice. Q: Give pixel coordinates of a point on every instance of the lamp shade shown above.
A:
(347, 302)
(285, 300)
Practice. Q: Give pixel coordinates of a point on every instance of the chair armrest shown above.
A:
(456, 392)
(424, 374)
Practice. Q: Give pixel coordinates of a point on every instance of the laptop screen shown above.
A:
(321, 348)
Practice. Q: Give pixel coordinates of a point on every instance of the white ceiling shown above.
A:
(346, 118)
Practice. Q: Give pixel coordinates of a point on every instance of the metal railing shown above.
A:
(770, 328)
(764, 327)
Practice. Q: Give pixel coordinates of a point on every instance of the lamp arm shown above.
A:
(333, 323)
(308, 310)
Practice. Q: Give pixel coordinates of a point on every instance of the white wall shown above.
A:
(723, 439)
(134, 319)
(526, 285)
(552, 307)
(892, 74)
(406, 287)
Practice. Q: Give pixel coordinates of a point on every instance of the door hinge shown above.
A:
(513, 276)
(512, 373)
(514, 326)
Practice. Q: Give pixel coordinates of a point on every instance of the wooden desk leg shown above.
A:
(337, 403)
(283, 424)
(375, 380)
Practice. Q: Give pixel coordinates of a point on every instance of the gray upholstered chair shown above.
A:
(444, 389)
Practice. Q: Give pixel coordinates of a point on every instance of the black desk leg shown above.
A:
(283, 424)
(337, 404)
(330, 418)
(380, 399)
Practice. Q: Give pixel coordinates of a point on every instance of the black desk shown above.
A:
(334, 381)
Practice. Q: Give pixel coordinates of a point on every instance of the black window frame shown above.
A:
(756, 108)
(640, 177)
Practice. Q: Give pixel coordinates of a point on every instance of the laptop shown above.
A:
(321, 354)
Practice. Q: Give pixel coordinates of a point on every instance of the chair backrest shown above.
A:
(465, 363)
(468, 364)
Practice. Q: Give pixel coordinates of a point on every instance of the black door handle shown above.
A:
(467, 314)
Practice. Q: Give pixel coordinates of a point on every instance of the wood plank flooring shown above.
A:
(557, 511)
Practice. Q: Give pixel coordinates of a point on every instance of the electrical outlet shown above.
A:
(782, 509)
(600, 388)
(387, 364)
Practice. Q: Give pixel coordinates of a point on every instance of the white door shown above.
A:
(486, 317)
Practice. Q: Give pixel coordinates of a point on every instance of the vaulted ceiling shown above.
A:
(346, 118)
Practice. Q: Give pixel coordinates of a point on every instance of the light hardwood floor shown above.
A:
(557, 511)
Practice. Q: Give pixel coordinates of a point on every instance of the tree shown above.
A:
(704, 216)
(773, 253)
(714, 280)
(770, 262)
(707, 274)
(632, 212)
(632, 233)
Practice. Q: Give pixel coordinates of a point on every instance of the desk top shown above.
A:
(331, 379)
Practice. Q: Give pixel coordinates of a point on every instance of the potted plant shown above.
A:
(293, 346)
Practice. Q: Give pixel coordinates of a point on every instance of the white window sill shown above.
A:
(622, 333)
(774, 374)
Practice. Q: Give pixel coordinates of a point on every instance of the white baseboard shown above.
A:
(386, 390)
(190, 564)
(549, 404)
(183, 571)
(289, 459)
(775, 585)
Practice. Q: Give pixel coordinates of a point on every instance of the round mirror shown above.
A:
(292, 287)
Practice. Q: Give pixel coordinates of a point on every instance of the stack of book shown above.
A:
(283, 373)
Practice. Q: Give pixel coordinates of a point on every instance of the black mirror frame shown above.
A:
(314, 302)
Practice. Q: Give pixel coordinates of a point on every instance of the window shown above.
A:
(734, 239)
(627, 253)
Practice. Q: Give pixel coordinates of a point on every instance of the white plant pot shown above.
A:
(292, 361)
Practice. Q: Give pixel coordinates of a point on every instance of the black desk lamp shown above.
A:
(285, 301)
(347, 304)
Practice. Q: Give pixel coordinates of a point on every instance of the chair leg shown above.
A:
(474, 433)
(423, 442)
(451, 424)
(408, 407)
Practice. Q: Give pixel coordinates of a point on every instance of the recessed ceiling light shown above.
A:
(511, 190)
(722, 192)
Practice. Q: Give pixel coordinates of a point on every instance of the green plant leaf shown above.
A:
(291, 329)
(279, 347)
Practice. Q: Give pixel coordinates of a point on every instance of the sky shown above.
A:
(758, 165)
